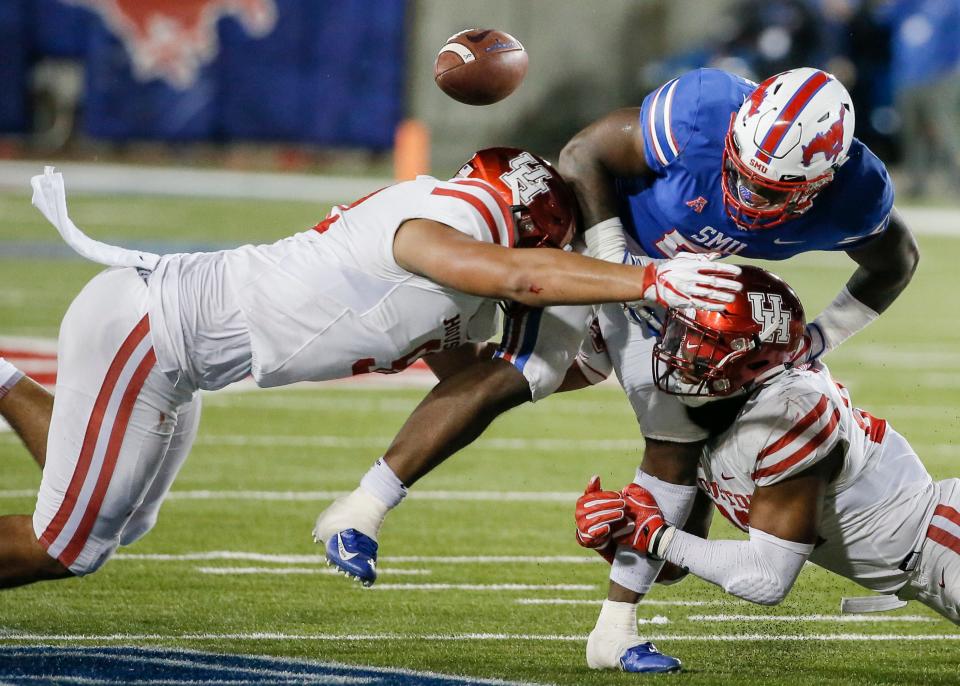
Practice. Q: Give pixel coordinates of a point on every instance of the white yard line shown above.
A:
(340, 442)
(644, 602)
(320, 496)
(856, 619)
(390, 559)
(484, 587)
(18, 637)
(283, 571)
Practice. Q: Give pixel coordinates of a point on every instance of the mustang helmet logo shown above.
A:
(758, 95)
(173, 39)
(829, 142)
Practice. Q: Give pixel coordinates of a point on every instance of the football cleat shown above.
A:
(354, 554)
(646, 659)
(623, 650)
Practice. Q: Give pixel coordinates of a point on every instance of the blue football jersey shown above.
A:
(684, 125)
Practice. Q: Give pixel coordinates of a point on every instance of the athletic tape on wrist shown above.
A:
(841, 319)
(605, 240)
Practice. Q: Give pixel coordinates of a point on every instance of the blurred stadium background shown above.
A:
(324, 87)
(198, 124)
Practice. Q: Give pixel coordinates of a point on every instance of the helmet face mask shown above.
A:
(704, 356)
(784, 146)
(542, 205)
(692, 361)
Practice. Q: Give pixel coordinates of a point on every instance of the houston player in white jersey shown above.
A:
(792, 462)
(414, 269)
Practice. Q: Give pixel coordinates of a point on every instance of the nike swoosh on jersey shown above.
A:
(780, 241)
(343, 551)
(943, 583)
(725, 477)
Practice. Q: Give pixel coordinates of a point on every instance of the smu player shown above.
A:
(790, 461)
(709, 161)
(713, 162)
(411, 270)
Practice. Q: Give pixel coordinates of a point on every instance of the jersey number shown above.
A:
(670, 244)
(365, 365)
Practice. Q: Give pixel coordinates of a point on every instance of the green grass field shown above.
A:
(265, 460)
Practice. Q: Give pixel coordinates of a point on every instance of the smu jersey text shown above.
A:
(684, 123)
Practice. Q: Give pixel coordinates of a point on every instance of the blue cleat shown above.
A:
(645, 658)
(354, 554)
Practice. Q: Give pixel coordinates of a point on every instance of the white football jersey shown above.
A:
(329, 302)
(876, 509)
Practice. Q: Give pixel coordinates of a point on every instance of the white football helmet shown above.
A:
(784, 145)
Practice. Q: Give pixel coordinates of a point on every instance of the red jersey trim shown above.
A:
(807, 448)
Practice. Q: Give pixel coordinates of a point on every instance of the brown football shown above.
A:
(480, 66)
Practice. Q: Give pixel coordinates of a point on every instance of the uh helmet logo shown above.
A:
(527, 178)
(173, 40)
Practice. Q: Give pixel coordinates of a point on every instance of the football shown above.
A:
(480, 66)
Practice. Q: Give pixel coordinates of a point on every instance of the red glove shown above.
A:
(601, 517)
(651, 533)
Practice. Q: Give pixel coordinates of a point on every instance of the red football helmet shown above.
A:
(704, 355)
(543, 206)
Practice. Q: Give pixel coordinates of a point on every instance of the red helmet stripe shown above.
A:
(477, 204)
(789, 114)
(501, 203)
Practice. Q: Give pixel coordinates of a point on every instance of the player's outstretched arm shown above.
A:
(885, 267)
(544, 277)
(784, 519)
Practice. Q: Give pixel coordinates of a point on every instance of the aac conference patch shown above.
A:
(130, 665)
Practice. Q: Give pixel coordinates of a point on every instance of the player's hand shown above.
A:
(691, 280)
(601, 517)
(651, 534)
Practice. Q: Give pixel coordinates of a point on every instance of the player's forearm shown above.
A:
(551, 277)
(761, 570)
(885, 266)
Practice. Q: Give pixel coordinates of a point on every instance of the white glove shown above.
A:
(691, 280)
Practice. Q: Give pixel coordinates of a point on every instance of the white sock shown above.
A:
(9, 376)
(631, 569)
(381, 482)
(618, 617)
(614, 634)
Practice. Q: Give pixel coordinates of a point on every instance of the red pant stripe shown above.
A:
(93, 431)
(70, 553)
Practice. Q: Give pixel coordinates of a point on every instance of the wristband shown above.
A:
(661, 542)
(605, 240)
(841, 319)
(9, 376)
